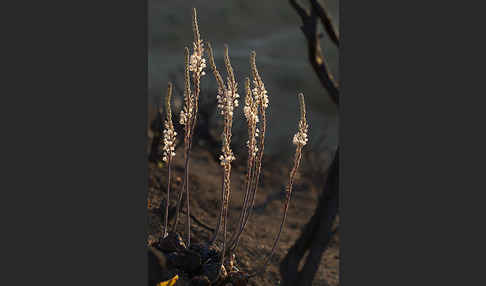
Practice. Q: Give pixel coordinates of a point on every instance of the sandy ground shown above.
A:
(258, 237)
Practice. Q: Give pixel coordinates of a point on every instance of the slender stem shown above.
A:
(255, 179)
(225, 214)
(224, 235)
(181, 193)
(298, 157)
(244, 208)
(168, 198)
(188, 220)
(236, 237)
(192, 128)
(218, 226)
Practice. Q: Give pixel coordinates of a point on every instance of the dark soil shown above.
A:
(205, 190)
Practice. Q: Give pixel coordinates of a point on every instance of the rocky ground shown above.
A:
(256, 241)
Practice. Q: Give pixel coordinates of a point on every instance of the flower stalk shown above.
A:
(300, 140)
(169, 138)
(256, 103)
(194, 64)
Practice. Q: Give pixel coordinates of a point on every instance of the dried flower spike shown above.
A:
(194, 63)
(256, 103)
(169, 138)
(186, 112)
(227, 99)
(197, 62)
(259, 91)
(300, 138)
(251, 114)
(297, 158)
(169, 134)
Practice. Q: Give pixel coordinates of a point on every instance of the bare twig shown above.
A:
(316, 58)
(326, 21)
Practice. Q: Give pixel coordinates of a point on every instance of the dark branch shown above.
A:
(318, 231)
(316, 58)
(301, 11)
(326, 21)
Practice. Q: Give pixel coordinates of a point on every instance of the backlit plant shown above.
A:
(255, 106)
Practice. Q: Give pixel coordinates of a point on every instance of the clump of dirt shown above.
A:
(198, 264)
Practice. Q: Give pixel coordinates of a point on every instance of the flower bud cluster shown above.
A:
(226, 159)
(197, 62)
(251, 113)
(227, 101)
(300, 139)
(185, 115)
(260, 93)
(169, 142)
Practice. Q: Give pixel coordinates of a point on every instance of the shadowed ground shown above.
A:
(258, 237)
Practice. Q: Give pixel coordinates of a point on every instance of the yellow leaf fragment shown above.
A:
(170, 282)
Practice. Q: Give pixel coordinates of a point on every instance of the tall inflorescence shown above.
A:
(256, 103)
(227, 102)
(169, 134)
(220, 94)
(251, 114)
(255, 107)
(194, 64)
(300, 140)
(227, 98)
(169, 143)
(188, 109)
(260, 95)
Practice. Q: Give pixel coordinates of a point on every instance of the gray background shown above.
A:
(272, 28)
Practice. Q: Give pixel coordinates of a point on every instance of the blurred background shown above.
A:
(272, 29)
